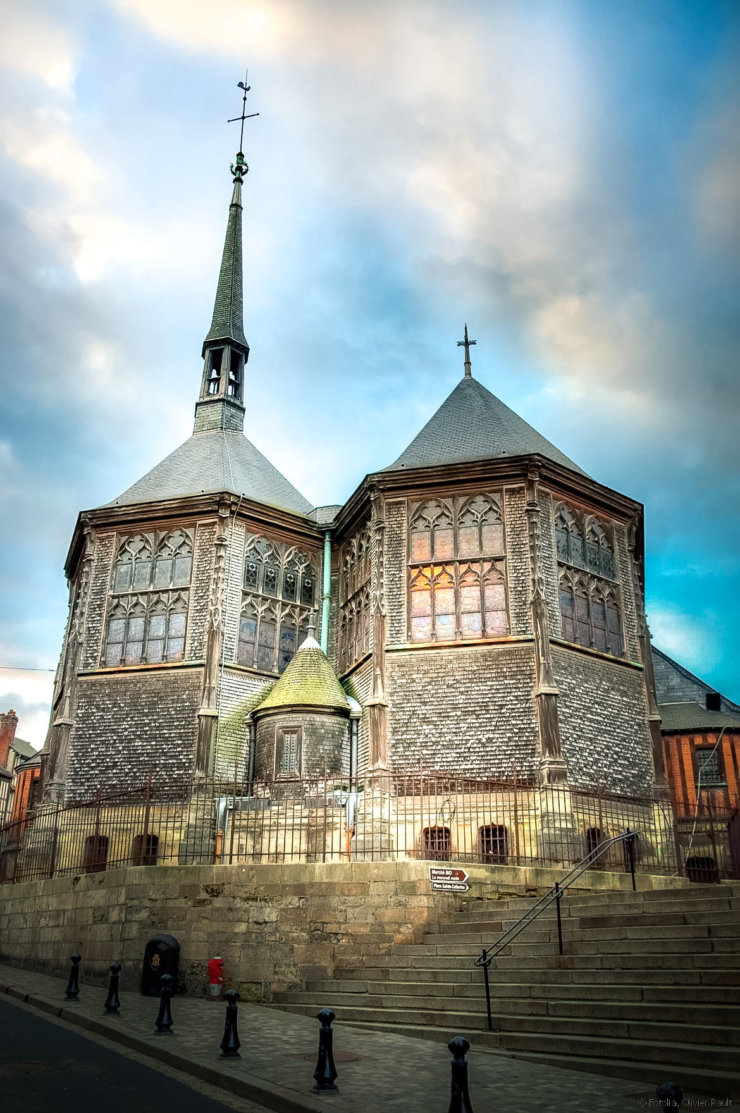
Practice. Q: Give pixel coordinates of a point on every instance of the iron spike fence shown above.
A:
(418, 815)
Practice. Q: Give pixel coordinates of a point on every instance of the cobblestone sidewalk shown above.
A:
(377, 1070)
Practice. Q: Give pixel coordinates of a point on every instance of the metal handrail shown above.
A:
(488, 954)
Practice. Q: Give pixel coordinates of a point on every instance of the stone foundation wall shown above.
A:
(275, 926)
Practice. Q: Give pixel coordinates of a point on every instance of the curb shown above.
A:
(260, 1091)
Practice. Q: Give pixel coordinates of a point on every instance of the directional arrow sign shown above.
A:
(448, 880)
(438, 873)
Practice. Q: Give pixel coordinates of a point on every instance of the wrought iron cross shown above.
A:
(246, 87)
(467, 345)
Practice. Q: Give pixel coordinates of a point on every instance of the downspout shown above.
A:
(326, 591)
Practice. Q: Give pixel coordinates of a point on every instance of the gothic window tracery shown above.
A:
(354, 598)
(279, 588)
(590, 613)
(149, 599)
(590, 608)
(457, 584)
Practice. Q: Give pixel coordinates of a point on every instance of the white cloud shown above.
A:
(29, 694)
(37, 47)
(688, 638)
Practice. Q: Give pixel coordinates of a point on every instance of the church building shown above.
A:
(475, 607)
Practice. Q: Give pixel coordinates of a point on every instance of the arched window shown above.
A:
(432, 535)
(126, 629)
(463, 596)
(145, 850)
(354, 599)
(133, 567)
(95, 854)
(267, 638)
(599, 556)
(279, 586)
(583, 620)
(173, 560)
(494, 844)
(590, 614)
(569, 538)
(433, 604)
(146, 631)
(615, 644)
(147, 616)
(437, 843)
(480, 528)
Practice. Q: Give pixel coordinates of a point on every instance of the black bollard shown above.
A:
(325, 1072)
(112, 1002)
(163, 1025)
(72, 992)
(230, 1043)
(460, 1099)
(669, 1095)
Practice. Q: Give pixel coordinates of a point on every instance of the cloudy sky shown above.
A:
(563, 176)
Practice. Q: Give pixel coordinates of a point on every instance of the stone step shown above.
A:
(685, 996)
(663, 976)
(574, 929)
(459, 957)
(473, 944)
(691, 1077)
(708, 1023)
(653, 945)
(614, 1040)
(615, 897)
(656, 1051)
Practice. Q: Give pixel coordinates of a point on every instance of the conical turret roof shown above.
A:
(308, 681)
(473, 424)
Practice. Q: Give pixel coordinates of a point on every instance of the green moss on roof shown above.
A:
(308, 681)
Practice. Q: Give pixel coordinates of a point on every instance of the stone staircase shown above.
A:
(648, 987)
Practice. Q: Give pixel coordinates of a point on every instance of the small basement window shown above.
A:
(437, 843)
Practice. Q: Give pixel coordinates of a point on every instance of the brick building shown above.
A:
(479, 607)
(19, 771)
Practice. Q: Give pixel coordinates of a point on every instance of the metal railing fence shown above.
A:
(431, 816)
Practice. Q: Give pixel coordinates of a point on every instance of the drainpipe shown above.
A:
(326, 592)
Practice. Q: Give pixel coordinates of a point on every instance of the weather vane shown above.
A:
(467, 345)
(246, 87)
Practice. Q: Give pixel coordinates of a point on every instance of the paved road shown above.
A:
(48, 1067)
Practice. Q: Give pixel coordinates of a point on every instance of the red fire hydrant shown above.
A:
(215, 976)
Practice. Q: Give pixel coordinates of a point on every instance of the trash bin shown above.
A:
(161, 956)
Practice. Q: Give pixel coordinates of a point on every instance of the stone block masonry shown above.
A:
(276, 926)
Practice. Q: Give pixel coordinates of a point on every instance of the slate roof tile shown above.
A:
(216, 460)
(474, 424)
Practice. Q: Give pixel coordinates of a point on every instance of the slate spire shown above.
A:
(228, 324)
(225, 348)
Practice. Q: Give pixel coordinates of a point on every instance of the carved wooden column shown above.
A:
(208, 714)
(377, 704)
(646, 656)
(552, 765)
(54, 766)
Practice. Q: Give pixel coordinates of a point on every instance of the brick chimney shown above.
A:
(8, 723)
